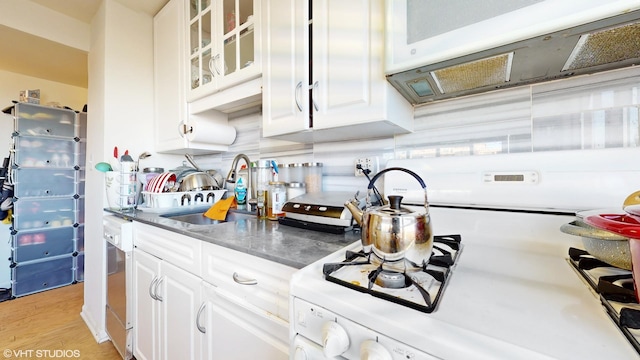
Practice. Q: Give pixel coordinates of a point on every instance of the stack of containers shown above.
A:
(48, 231)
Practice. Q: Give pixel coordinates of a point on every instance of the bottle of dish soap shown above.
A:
(241, 193)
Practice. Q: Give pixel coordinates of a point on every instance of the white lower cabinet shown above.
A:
(166, 300)
(234, 329)
(197, 300)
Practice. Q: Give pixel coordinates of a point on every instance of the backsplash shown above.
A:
(589, 112)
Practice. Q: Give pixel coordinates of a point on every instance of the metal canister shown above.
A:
(295, 189)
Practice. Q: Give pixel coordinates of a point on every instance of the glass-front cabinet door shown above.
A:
(223, 44)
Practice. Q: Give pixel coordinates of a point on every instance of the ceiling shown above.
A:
(34, 56)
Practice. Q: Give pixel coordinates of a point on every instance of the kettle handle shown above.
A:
(373, 180)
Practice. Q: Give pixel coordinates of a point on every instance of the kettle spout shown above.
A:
(352, 205)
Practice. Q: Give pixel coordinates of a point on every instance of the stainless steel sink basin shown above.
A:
(199, 219)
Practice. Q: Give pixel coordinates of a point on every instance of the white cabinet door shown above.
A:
(286, 67)
(172, 120)
(350, 96)
(146, 328)
(224, 44)
(166, 302)
(235, 329)
(180, 298)
(169, 80)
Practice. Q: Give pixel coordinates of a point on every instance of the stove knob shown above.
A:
(300, 354)
(334, 339)
(371, 350)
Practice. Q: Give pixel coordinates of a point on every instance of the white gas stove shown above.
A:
(510, 291)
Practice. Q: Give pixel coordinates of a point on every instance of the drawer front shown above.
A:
(40, 244)
(29, 278)
(227, 268)
(44, 182)
(41, 152)
(37, 213)
(37, 120)
(179, 250)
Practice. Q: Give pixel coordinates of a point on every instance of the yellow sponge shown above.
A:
(219, 210)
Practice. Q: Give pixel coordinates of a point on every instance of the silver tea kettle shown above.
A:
(391, 231)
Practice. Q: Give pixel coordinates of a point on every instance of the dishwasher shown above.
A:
(118, 234)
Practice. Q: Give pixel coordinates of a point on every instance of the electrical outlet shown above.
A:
(367, 163)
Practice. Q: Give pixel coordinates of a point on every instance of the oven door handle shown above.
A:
(244, 281)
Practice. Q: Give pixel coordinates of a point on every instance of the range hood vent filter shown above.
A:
(492, 71)
(605, 47)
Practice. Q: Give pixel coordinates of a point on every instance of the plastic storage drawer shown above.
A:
(44, 182)
(41, 244)
(36, 276)
(36, 213)
(79, 267)
(79, 236)
(36, 120)
(40, 152)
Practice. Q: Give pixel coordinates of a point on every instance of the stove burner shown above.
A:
(389, 279)
(396, 280)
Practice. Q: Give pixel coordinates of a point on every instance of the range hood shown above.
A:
(601, 45)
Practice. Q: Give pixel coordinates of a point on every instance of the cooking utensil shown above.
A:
(623, 224)
(391, 231)
(633, 199)
(216, 175)
(197, 181)
(605, 246)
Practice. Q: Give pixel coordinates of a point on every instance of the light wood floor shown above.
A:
(49, 321)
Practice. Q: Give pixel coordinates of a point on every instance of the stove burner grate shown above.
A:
(384, 278)
(614, 286)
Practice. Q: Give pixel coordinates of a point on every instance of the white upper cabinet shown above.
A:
(174, 125)
(342, 92)
(224, 44)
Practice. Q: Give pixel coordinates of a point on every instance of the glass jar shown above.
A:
(276, 198)
(313, 177)
(296, 172)
(295, 189)
(283, 173)
(264, 176)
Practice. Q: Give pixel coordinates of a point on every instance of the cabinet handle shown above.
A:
(155, 290)
(151, 287)
(313, 95)
(297, 96)
(245, 281)
(200, 327)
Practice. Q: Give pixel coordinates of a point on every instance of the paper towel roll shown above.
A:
(208, 132)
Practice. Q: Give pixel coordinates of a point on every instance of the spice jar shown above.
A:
(295, 189)
(313, 177)
(275, 200)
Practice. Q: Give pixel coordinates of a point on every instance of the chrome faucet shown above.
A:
(231, 177)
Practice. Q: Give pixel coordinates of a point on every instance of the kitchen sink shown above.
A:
(199, 219)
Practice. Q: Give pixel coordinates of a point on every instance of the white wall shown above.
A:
(120, 114)
(66, 95)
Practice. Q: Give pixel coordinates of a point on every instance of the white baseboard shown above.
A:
(99, 334)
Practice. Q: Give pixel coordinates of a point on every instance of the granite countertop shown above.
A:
(267, 239)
